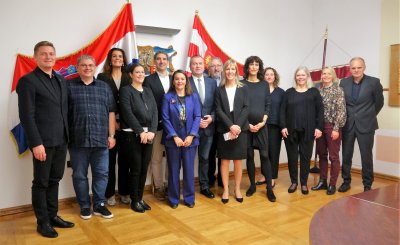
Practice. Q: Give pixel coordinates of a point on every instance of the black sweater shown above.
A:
(312, 114)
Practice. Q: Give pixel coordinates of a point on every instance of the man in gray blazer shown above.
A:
(205, 88)
(364, 100)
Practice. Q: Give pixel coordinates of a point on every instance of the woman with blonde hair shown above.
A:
(301, 120)
(334, 120)
(232, 111)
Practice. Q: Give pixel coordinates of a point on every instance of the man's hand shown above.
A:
(39, 152)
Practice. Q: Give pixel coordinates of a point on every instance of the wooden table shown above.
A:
(370, 217)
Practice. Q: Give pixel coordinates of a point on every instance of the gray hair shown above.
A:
(85, 57)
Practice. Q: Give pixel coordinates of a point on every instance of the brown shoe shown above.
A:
(159, 194)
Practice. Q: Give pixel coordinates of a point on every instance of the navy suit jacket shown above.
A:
(154, 83)
(42, 113)
(208, 107)
(170, 115)
(362, 112)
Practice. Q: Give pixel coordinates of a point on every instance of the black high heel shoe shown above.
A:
(238, 199)
(224, 201)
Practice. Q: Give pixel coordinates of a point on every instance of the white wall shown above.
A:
(282, 33)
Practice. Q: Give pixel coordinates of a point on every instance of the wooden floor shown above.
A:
(255, 221)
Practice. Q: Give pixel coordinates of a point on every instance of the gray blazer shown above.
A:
(362, 112)
(208, 107)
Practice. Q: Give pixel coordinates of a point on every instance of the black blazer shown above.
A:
(125, 80)
(240, 109)
(43, 114)
(154, 83)
(362, 112)
(138, 110)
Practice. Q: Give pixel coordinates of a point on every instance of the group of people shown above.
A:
(124, 117)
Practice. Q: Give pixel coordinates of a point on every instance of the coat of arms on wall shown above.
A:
(146, 55)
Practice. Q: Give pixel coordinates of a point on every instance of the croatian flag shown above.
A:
(120, 33)
(202, 44)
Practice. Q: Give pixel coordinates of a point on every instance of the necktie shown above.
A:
(201, 90)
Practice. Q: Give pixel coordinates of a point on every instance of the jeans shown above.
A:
(204, 154)
(97, 157)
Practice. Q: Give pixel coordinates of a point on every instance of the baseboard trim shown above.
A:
(69, 201)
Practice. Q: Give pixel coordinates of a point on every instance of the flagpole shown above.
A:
(315, 169)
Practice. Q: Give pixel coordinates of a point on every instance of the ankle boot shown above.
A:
(322, 185)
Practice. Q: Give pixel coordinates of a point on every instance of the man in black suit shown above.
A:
(364, 100)
(205, 88)
(43, 106)
(159, 83)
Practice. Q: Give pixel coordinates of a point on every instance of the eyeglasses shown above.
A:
(87, 65)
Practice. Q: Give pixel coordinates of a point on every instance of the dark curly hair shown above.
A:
(247, 63)
(107, 64)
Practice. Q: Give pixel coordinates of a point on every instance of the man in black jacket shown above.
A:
(43, 106)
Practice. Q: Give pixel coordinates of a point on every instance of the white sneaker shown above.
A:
(111, 201)
(125, 199)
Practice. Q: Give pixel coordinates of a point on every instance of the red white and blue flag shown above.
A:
(202, 44)
(120, 33)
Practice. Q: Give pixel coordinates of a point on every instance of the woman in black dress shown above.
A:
(116, 77)
(271, 76)
(139, 119)
(259, 106)
(301, 120)
(232, 111)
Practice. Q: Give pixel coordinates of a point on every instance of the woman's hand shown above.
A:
(317, 133)
(285, 133)
(150, 136)
(143, 137)
(235, 129)
(335, 135)
(188, 141)
(178, 141)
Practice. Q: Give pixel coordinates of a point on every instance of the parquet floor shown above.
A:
(255, 221)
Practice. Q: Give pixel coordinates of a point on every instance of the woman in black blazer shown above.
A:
(232, 127)
(301, 120)
(116, 77)
(139, 123)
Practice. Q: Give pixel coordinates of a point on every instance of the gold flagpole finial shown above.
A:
(128, 1)
(196, 12)
(326, 33)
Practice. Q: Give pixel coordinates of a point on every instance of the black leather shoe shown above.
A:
(331, 190)
(344, 187)
(304, 190)
(145, 205)
(250, 191)
(292, 188)
(270, 195)
(207, 193)
(189, 205)
(137, 207)
(173, 206)
(47, 230)
(60, 223)
(261, 182)
(322, 185)
(367, 188)
(224, 201)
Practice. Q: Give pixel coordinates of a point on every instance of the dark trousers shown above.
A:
(138, 156)
(326, 145)
(123, 169)
(297, 145)
(365, 143)
(46, 178)
(212, 167)
(274, 148)
(204, 154)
